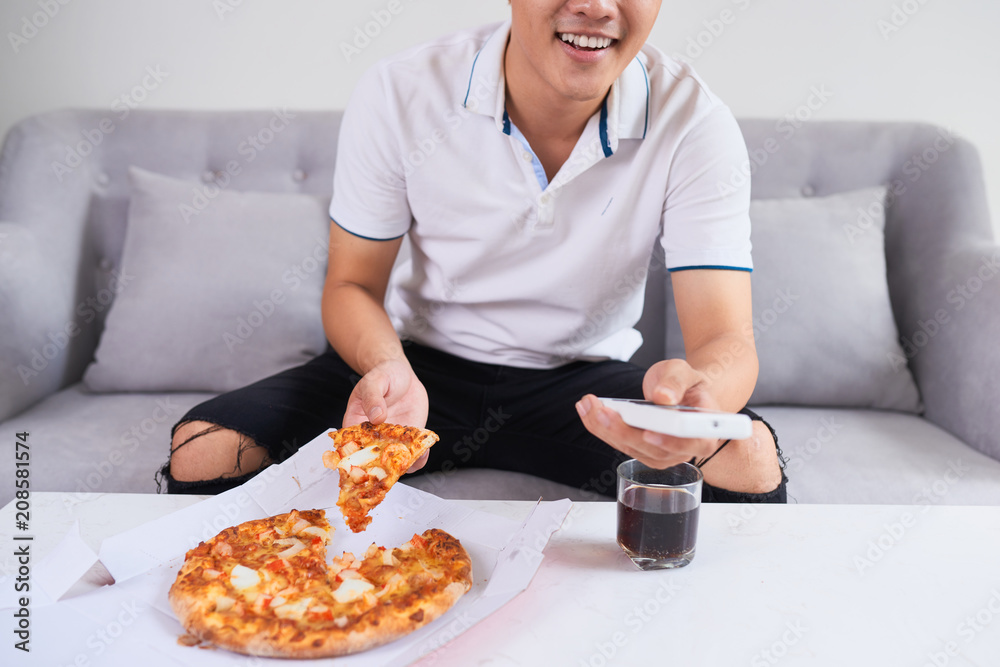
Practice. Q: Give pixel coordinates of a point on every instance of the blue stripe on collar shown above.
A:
(605, 142)
(465, 102)
(645, 74)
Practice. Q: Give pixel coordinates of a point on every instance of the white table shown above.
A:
(770, 585)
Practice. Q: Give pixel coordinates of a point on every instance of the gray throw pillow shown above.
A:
(823, 321)
(216, 293)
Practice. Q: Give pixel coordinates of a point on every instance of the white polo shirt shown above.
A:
(507, 267)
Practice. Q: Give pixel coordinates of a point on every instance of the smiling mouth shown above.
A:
(586, 43)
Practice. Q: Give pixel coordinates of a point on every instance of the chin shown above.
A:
(587, 92)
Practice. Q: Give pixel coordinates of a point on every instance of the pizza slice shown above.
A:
(371, 458)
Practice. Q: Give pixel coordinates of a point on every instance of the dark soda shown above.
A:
(657, 535)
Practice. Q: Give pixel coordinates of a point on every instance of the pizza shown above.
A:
(263, 588)
(371, 458)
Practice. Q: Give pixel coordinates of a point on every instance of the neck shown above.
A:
(537, 109)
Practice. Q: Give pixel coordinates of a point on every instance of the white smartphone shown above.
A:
(680, 420)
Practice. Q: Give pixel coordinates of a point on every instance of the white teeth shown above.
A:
(586, 42)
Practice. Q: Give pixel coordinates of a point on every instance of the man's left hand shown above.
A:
(670, 382)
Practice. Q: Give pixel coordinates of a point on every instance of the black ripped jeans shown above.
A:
(487, 416)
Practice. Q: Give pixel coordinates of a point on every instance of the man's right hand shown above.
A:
(389, 392)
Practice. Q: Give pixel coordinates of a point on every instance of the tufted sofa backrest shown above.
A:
(63, 175)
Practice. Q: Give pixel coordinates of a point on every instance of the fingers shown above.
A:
(388, 393)
(419, 463)
(653, 449)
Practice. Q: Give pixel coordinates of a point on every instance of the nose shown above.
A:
(595, 10)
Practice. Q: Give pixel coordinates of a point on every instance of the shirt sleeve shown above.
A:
(369, 187)
(706, 211)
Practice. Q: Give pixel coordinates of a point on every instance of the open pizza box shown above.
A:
(131, 623)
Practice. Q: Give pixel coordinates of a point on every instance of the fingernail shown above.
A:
(652, 438)
(375, 413)
(582, 408)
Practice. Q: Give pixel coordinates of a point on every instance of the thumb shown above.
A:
(670, 382)
(371, 394)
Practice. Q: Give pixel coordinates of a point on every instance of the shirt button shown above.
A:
(527, 156)
(546, 198)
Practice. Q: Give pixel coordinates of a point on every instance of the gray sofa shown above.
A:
(64, 195)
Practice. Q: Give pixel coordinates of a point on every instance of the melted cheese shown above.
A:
(351, 590)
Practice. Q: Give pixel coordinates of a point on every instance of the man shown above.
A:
(533, 167)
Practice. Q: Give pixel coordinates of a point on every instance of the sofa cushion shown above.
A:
(98, 443)
(879, 457)
(823, 322)
(220, 288)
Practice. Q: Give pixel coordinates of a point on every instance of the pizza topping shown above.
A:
(222, 549)
(419, 579)
(340, 621)
(288, 592)
(378, 473)
(358, 474)
(349, 448)
(299, 526)
(294, 546)
(394, 451)
(349, 573)
(224, 603)
(277, 564)
(416, 542)
(209, 573)
(393, 582)
(351, 590)
(261, 603)
(293, 610)
(316, 531)
(243, 577)
(361, 457)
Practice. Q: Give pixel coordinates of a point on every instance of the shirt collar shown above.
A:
(624, 115)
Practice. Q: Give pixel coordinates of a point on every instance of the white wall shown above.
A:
(942, 65)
